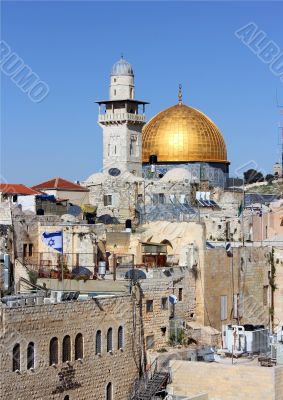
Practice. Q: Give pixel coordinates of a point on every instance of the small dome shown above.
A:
(122, 67)
(177, 175)
(96, 179)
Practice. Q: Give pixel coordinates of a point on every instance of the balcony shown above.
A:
(120, 117)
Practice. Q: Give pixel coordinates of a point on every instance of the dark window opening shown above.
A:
(16, 357)
(66, 356)
(79, 351)
(30, 355)
(149, 306)
(30, 249)
(180, 294)
(98, 343)
(163, 330)
(109, 340)
(120, 338)
(161, 198)
(164, 303)
(107, 200)
(53, 351)
(25, 247)
(109, 391)
(149, 342)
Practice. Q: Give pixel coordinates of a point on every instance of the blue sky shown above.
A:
(72, 46)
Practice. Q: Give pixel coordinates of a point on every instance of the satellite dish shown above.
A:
(114, 172)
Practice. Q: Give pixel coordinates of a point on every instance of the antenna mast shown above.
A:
(280, 107)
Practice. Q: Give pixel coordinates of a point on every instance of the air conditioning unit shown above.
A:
(12, 303)
(22, 302)
(39, 301)
(274, 351)
(279, 354)
(30, 301)
(49, 301)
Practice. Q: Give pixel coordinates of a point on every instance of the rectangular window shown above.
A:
(265, 295)
(140, 198)
(161, 198)
(25, 247)
(164, 303)
(154, 198)
(107, 199)
(30, 249)
(223, 308)
(149, 342)
(180, 294)
(149, 306)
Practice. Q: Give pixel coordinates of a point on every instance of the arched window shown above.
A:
(79, 347)
(98, 343)
(67, 397)
(16, 357)
(66, 356)
(53, 351)
(30, 355)
(109, 391)
(120, 338)
(109, 340)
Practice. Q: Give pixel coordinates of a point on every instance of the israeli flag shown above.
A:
(54, 240)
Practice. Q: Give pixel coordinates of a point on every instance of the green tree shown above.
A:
(269, 178)
(253, 176)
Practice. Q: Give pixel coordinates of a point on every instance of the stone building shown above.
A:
(152, 172)
(71, 350)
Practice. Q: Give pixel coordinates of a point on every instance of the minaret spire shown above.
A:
(180, 94)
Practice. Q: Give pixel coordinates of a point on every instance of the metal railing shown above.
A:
(116, 117)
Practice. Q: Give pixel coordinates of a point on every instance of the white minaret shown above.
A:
(122, 123)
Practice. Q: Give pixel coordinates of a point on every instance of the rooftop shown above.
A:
(60, 184)
(17, 188)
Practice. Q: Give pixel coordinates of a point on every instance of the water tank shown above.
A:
(102, 268)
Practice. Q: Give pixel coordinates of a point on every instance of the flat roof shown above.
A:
(121, 100)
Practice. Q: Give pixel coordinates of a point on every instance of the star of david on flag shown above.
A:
(54, 240)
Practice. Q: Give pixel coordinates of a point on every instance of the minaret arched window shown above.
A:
(16, 357)
(98, 343)
(66, 355)
(109, 391)
(120, 338)
(109, 340)
(79, 347)
(53, 351)
(30, 355)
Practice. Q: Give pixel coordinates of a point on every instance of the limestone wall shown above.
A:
(86, 379)
(226, 382)
(278, 293)
(250, 275)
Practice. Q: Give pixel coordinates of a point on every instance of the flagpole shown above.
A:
(62, 263)
(243, 206)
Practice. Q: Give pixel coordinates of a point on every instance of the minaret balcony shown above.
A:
(120, 118)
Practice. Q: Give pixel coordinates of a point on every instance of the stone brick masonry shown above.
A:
(84, 380)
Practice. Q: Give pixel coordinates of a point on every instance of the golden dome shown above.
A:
(183, 134)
